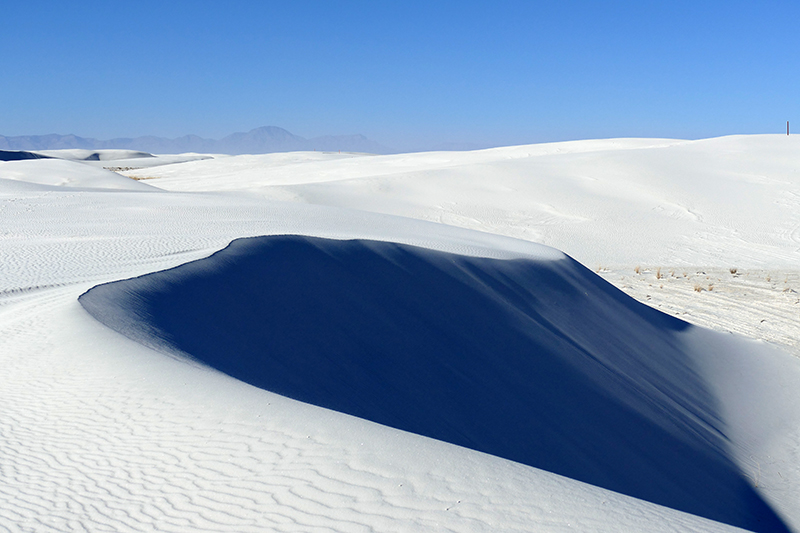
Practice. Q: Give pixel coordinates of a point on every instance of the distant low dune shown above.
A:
(18, 155)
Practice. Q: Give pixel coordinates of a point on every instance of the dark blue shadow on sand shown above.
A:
(539, 362)
(17, 155)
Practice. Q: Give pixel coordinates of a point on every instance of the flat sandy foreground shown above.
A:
(118, 413)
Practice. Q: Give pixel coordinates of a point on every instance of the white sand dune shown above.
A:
(63, 173)
(121, 159)
(102, 432)
(79, 154)
(614, 205)
(19, 155)
(726, 202)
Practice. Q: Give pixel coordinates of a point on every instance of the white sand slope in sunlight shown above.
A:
(371, 362)
(614, 205)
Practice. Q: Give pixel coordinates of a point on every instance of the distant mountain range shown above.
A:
(258, 141)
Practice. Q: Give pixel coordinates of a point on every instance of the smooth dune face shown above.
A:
(539, 362)
(71, 174)
(731, 201)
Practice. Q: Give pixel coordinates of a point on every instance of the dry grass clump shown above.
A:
(121, 169)
(734, 270)
(638, 269)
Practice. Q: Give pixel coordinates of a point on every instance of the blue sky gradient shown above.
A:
(406, 74)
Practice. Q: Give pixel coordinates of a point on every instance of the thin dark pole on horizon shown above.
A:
(787, 127)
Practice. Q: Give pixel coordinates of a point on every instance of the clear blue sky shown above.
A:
(405, 74)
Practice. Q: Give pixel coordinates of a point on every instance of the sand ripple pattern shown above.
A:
(101, 442)
(100, 434)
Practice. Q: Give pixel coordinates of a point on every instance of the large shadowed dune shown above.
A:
(536, 361)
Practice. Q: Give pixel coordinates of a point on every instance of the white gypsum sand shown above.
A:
(103, 433)
(614, 205)
(758, 303)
